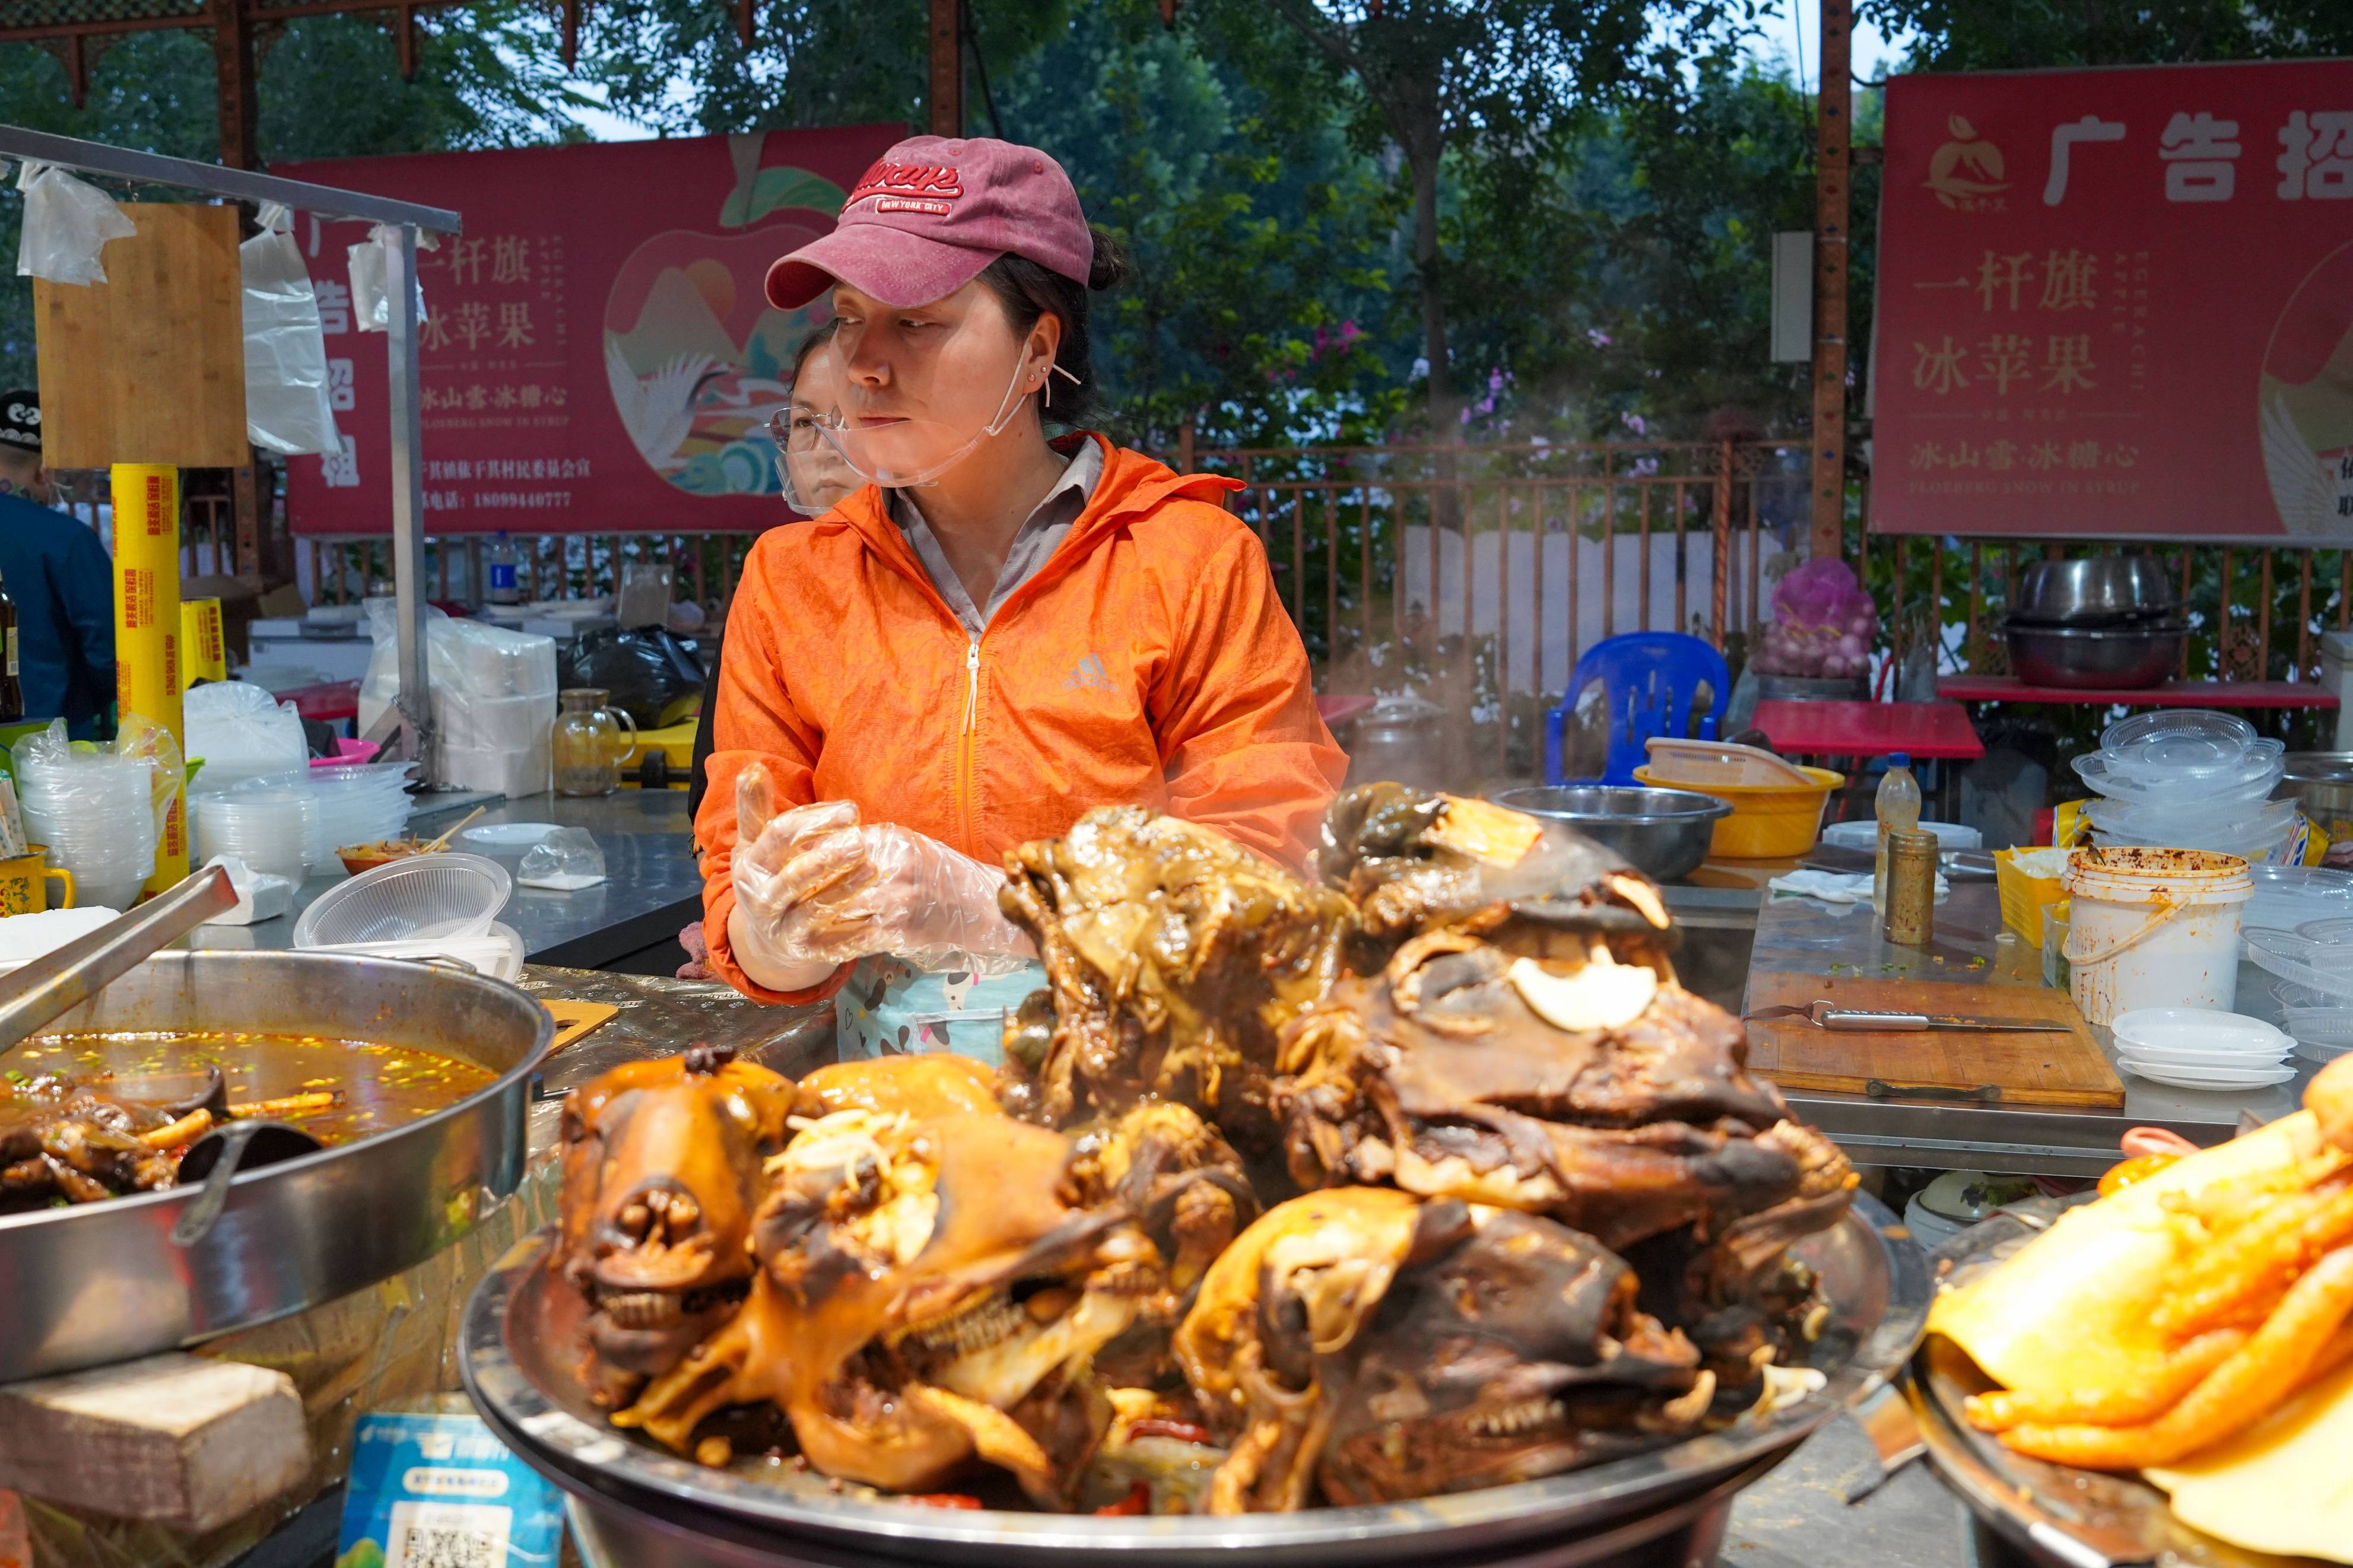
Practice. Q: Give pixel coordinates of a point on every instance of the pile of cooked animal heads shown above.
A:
(1427, 1178)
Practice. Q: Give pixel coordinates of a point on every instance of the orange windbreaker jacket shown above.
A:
(1148, 662)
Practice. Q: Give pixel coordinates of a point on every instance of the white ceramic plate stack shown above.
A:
(2189, 779)
(358, 803)
(2190, 1047)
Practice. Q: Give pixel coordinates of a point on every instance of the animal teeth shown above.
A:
(640, 1308)
(975, 1328)
(1513, 1419)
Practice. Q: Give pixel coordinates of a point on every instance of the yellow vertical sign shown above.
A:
(201, 656)
(147, 628)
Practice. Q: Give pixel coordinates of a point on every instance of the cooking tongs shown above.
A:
(1824, 1015)
(34, 997)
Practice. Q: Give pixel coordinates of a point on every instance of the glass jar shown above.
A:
(588, 743)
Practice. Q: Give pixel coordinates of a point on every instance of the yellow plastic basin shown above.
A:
(1769, 822)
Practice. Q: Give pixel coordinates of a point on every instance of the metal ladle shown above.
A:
(216, 1158)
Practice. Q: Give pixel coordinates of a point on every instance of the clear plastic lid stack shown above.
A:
(2189, 779)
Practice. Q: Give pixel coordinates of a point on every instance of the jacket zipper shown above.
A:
(966, 740)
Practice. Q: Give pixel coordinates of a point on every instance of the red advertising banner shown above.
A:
(2117, 303)
(598, 354)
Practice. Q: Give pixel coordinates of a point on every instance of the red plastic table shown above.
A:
(1925, 730)
(1337, 711)
(2170, 694)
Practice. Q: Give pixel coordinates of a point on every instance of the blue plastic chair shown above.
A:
(1649, 680)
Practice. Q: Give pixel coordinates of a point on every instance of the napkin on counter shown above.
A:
(1837, 887)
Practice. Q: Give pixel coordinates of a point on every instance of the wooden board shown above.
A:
(2024, 1068)
(573, 1019)
(148, 366)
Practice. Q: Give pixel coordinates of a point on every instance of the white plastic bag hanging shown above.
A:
(371, 304)
(286, 409)
(67, 224)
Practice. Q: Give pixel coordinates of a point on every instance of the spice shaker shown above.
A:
(1911, 886)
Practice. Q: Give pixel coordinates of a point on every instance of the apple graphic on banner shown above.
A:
(2305, 402)
(695, 355)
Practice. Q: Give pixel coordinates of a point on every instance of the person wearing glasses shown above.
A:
(995, 633)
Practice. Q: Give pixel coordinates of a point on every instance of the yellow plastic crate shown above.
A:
(2024, 896)
(675, 741)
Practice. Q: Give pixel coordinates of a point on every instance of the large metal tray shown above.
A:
(520, 1345)
(2058, 1515)
(103, 1282)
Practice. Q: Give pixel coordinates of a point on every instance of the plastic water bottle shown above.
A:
(504, 562)
(1897, 804)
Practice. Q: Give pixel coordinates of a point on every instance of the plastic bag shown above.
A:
(1823, 625)
(565, 860)
(67, 224)
(370, 268)
(242, 732)
(651, 675)
(493, 693)
(287, 409)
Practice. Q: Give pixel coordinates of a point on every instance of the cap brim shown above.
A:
(893, 265)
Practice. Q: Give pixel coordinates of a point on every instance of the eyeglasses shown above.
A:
(796, 432)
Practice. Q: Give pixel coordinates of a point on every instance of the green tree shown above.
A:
(1495, 79)
(2017, 34)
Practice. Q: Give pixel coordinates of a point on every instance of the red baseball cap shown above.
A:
(931, 214)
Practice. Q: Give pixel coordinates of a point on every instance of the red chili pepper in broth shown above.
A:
(1137, 1500)
(1155, 1427)
(942, 1500)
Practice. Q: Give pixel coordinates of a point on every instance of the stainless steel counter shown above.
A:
(651, 885)
(1808, 936)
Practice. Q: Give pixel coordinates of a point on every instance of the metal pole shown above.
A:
(407, 491)
(1832, 141)
(947, 97)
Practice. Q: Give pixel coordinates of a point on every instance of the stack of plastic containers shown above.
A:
(2315, 965)
(2189, 779)
(348, 802)
(441, 905)
(96, 813)
(270, 829)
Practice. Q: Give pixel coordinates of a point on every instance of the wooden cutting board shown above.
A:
(2024, 1068)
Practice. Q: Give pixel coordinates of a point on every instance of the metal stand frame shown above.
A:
(405, 219)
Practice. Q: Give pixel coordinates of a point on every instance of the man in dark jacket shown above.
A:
(60, 577)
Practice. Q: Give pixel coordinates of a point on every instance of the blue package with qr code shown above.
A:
(438, 1491)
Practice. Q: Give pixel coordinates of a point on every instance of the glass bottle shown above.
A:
(1897, 806)
(588, 743)
(505, 571)
(12, 692)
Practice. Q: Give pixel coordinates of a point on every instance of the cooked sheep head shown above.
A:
(925, 1297)
(1416, 862)
(1172, 955)
(662, 1163)
(1623, 1110)
(1376, 1347)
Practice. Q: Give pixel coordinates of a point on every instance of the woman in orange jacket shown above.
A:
(995, 635)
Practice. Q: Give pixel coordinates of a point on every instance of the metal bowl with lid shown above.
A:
(519, 1354)
(2095, 590)
(1664, 832)
(102, 1282)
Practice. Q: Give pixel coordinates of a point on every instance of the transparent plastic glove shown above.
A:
(804, 889)
(940, 906)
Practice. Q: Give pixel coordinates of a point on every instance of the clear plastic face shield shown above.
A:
(815, 478)
(922, 389)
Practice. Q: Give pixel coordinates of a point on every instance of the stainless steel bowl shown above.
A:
(519, 1352)
(2322, 782)
(2095, 590)
(102, 1282)
(2088, 657)
(1664, 832)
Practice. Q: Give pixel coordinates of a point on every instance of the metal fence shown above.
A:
(1480, 574)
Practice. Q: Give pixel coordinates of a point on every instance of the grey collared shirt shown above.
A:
(1042, 534)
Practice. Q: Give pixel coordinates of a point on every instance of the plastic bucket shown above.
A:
(1769, 822)
(2154, 928)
